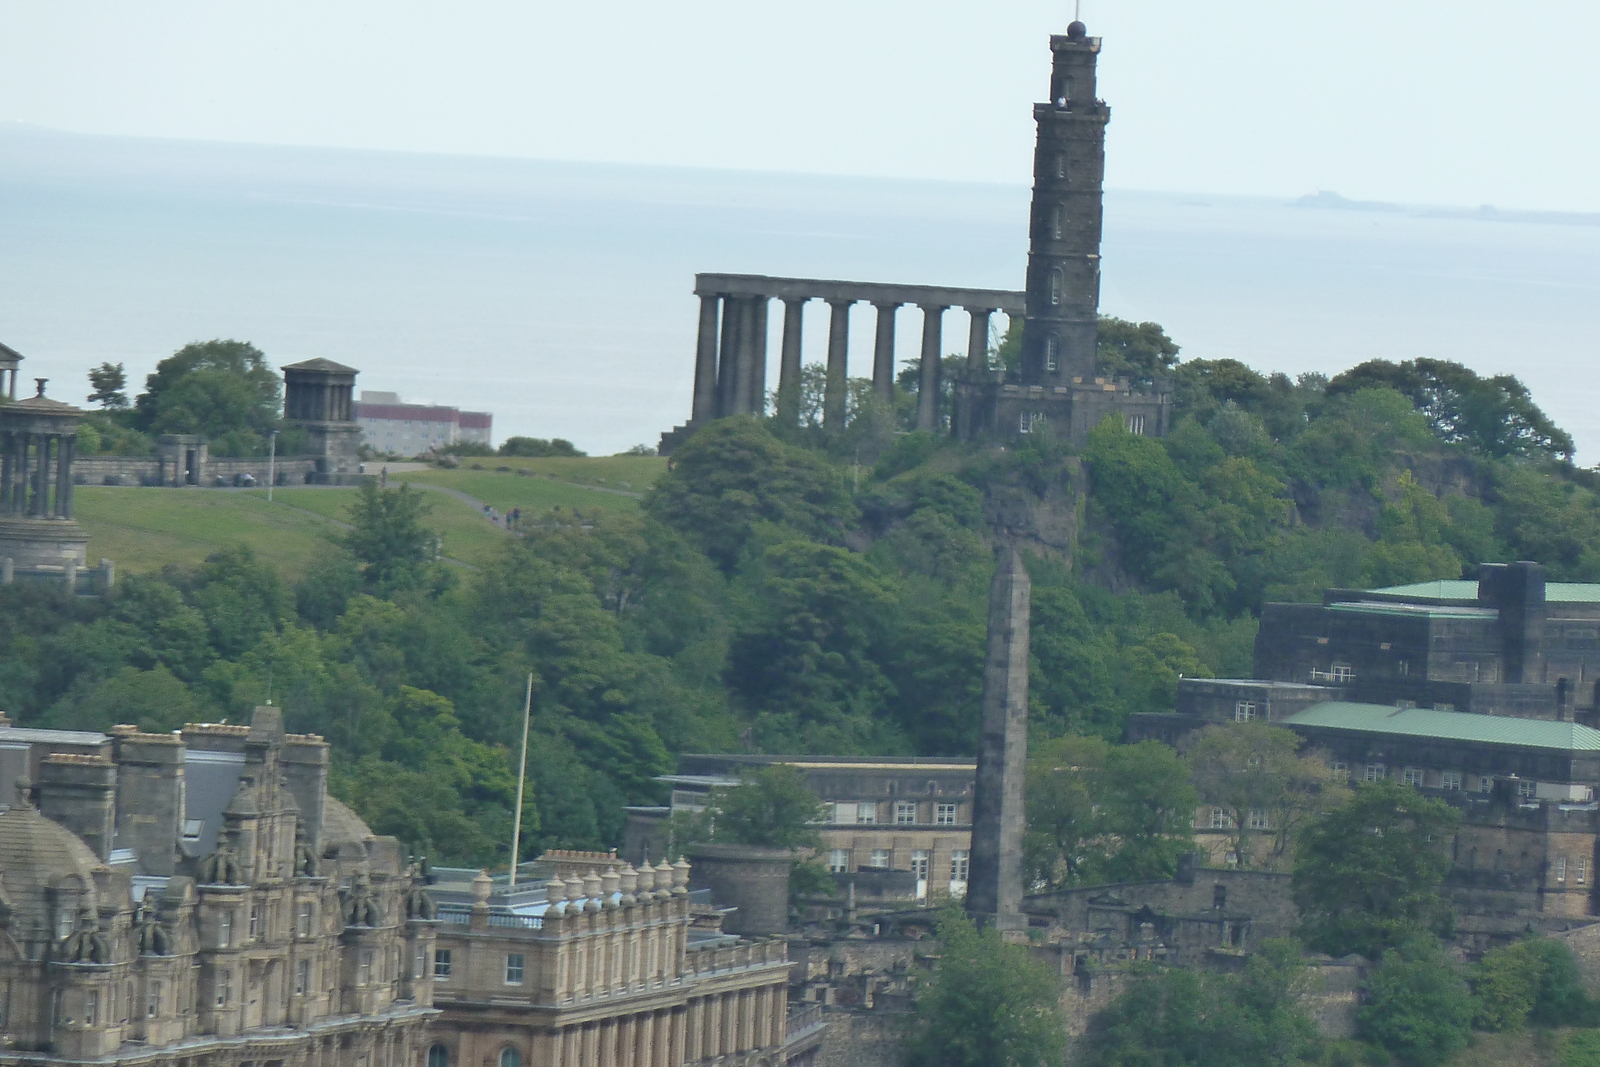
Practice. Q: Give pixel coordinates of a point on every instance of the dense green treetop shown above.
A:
(223, 390)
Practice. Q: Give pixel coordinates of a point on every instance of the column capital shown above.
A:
(934, 309)
(842, 301)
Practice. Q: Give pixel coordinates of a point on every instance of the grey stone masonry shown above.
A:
(994, 892)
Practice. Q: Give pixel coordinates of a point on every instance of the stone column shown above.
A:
(928, 383)
(705, 361)
(63, 501)
(758, 355)
(994, 886)
(41, 489)
(835, 394)
(646, 1040)
(728, 357)
(883, 354)
(789, 362)
(978, 339)
(678, 1051)
(5, 471)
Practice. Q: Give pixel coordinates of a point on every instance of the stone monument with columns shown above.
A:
(38, 435)
(317, 396)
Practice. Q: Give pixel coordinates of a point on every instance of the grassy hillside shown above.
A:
(145, 529)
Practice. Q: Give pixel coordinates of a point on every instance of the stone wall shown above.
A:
(146, 470)
(863, 1039)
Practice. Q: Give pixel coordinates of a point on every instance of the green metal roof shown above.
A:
(1557, 592)
(1430, 611)
(1448, 726)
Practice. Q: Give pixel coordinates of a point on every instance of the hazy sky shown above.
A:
(1464, 102)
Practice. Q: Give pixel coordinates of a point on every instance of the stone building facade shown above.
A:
(197, 898)
(911, 815)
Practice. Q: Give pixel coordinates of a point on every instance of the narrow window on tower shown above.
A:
(1057, 216)
(1056, 282)
(1052, 353)
(1061, 165)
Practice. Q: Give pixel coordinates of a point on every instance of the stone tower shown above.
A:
(317, 395)
(994, 888)
(1069, 163)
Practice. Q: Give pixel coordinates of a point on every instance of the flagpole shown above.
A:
(522, 777)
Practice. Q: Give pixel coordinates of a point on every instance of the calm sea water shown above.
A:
(559, 295)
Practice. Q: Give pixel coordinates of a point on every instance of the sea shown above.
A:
(559, 295)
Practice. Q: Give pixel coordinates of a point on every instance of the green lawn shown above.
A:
(465, 533)
(634, 473)
(505, 491)
(144, 529)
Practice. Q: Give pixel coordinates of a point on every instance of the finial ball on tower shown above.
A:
(1077, 31)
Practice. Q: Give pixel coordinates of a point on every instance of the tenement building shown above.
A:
(1058, 383)
(388, 425)
(1480, 693)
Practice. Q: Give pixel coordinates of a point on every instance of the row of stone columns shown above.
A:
(26, 478)
(704, 1029)
(730, 362)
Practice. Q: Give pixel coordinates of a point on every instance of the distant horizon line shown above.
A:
(1318, 198)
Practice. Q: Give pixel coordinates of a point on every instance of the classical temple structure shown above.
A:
(1058, 383)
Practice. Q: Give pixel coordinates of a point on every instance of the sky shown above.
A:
(1420, 101)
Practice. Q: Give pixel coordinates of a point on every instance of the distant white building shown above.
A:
(387, 425)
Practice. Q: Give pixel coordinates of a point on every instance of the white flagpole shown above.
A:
(522, 777)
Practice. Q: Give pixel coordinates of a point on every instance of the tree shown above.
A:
(1139, 351)
(110, 384)
(537, 447)
(772, 807)
(1106, 813)
(1254, 773)
(1535, 980)
(388, 538)
(1417, 1005)
(1495, 416)
(224, 390)
(1366, 874)
(1183, 1018)
(988, 1004)
(733, 479)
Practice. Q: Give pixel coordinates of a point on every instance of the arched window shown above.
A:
(439, 1056)
(1055, 286)
(1052, 353)
(510, 1057)
(1057, 215)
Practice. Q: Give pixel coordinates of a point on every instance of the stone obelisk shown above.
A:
(994, 887)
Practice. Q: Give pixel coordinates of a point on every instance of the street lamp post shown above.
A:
(272, 462)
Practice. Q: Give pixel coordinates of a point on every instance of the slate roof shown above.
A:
(1448, 726)
(327, 366)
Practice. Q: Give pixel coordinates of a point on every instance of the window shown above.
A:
(960, 864)
(510, 1057)
(1526, 789)
(844, 814)
(1220, 819)
(255, 921)
(866, 813)
(1339, 768)
(441, 963)
(152, 1000)
(839, 860)
(1244, 711)
(438, 1056)
(1057, 218)
(905, 812)
(224, 986)
(1219, 896)
(1450, 780)
(919, 863)
(1342, 672)
(1135, 424)
(1412, 775)
(364, 968)
(1561, 868)
(1583, 869)
(192, 829)
(302, 978)
(91, 1005)
(880, 858)
(513, 968)
(1061, 164)
(418, 965)
(1057, 282)
(1485, 784)
(303, 919)
(1257, 820)
(944, 814)
(1374, 772)
(225, 929)
(1403, 667)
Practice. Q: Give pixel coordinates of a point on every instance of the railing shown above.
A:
(523, 922)
(803, 1021)
(457, 918)
(735, 957)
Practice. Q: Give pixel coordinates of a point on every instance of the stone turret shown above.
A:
(994, 891)
(317, 396)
